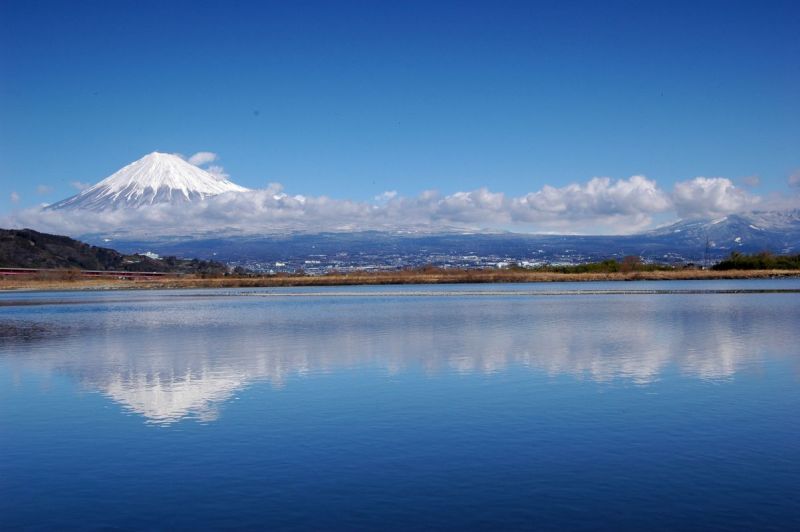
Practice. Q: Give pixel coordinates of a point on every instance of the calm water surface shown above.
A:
(504, 406)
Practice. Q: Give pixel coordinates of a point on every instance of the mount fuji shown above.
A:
(153, 179)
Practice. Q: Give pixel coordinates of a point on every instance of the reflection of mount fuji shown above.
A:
(185, 359)
(168, 398)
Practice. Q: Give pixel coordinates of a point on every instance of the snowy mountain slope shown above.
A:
(777, 231)
(155, 178)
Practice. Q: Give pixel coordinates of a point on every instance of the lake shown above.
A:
(639, 405)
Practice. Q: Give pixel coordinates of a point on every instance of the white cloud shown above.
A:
(43, 189)
(624, 205)
(794, 179)
(598, 206)
(217, 171)
(386, 196)
(710, 196)
(79, 185)
(475, 206)
(14, 197)
(202, 157)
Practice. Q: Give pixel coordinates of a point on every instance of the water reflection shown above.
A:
(173, 359)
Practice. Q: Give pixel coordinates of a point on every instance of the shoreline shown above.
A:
(381, 278)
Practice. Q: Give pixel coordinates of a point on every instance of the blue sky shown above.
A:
(351, 99)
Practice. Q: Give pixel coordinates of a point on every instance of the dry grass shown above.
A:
(73, 282)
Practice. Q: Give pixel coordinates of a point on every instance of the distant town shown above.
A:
(345, 262)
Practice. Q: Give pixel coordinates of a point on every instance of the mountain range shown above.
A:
(692, 241)
(161, 182)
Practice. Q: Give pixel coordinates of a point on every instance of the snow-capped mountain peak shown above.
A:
(155, 178)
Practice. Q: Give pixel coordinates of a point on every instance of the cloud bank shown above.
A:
(598, 206)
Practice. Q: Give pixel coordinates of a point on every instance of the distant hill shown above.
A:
(775, 231)
(685, 241)
(25, 248)
(698, 241)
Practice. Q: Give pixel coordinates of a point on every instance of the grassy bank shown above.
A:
(425, 276)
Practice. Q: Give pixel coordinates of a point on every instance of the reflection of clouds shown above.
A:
(724, 363)
(626, 350)
(182, 358)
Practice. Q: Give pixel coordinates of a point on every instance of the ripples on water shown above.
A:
(367, 407)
